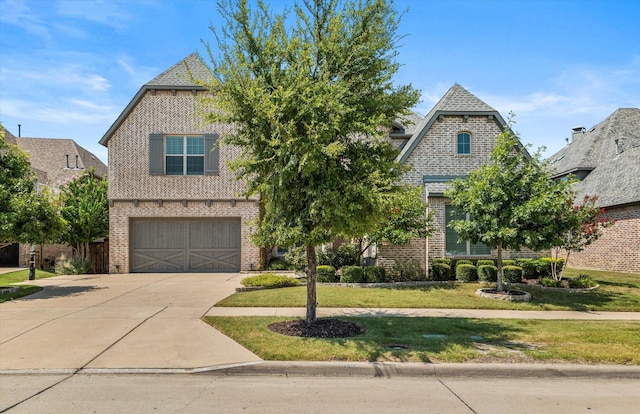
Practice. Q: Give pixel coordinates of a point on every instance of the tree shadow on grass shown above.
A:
(429, 339)
(583, 302)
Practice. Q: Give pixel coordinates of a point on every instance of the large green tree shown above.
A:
(311, 93)
(513, 202)
(26, 215)
(85, 209)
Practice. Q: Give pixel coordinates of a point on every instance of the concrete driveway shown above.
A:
(125, 321)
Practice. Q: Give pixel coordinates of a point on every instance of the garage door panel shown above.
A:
(158, 260)
(169, 245)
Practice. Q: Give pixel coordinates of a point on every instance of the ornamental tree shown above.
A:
(584, 223)
(513, 202)
(311, 94)
(85, 209)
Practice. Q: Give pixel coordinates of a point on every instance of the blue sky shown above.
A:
(69, 68)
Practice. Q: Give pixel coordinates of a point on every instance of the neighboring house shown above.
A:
(55, 162)
(455, 137)
(174, 204)
(606, 160)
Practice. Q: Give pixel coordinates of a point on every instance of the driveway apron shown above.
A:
(121, 321)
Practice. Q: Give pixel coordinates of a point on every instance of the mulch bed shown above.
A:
(321, 328)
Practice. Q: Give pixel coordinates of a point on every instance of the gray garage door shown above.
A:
(185, 245)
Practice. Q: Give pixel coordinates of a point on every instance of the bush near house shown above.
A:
(581, 282)
(269, 280)
(512, 274)
(375, 274)
(466, 272)
(351, 274)
(278, 264)
(488, 273)
(408, 271)
(326, 274)
(440, 271)
(485, 262)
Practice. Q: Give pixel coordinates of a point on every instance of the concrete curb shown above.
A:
(390, 370)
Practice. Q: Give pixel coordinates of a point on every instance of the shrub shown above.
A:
(582, 281)
(488, 273)
(344, 255)
(410, 270)
(73, 266)
(440, 271)
(325, 274)
(508, 262)
(548, 281)
(441, 260)
(351, 274)
(296, 258)
(512, 274)
(374, 274)
(529, 268)
(544, 265)
(485, 262)
(270, 280)
(466, 272)
(278, 263)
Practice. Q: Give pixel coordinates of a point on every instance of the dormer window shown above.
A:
(464, 143)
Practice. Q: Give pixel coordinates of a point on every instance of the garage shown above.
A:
(185, 245)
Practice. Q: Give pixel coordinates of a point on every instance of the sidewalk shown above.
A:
(437, 313)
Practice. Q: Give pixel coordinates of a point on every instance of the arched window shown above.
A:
(464, 143)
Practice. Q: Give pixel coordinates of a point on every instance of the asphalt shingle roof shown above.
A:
(456, 101)
(183, 73)
(50, 156)
(615, 171)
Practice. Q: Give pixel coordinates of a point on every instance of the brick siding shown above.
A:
(618, 248)
(169, 112)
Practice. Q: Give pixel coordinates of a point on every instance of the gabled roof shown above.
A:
(457, 101)
(614, 167)
(50, 155)
(181, 76)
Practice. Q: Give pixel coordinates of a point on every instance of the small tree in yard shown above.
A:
(513, 202)
(85, 209)
(310, 97)
(26, 215)
(584, 224)
(406, 219)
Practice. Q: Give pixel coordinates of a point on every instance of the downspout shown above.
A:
(426, 240)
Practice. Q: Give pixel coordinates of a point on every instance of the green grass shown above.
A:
(403, 340)
(7, 279)
(617, 292)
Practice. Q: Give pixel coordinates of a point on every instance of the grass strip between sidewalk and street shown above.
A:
(394, 339)
(617, 292)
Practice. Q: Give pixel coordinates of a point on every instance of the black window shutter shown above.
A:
(211, 154)
(156, 155)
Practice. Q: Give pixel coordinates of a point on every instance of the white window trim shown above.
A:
(184, 154)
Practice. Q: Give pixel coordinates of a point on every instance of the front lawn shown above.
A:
(447, 340)
(6, 279)
(617, 292)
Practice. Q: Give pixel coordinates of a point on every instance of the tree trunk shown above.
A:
(311, 284)
(499, 278)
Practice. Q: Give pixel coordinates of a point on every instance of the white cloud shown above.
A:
(108, 13)
(17, 13)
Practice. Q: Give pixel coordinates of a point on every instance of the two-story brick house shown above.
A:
(455, 137)
(174, 204)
